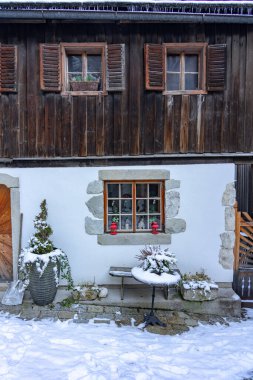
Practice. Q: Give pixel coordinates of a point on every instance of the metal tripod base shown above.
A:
(151, 319)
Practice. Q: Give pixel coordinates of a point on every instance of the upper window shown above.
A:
(82, 68)
(185, 65)
(134, 205)
(185, 68)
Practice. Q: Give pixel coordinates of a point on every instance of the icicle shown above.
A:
(249, 287)
(242, 286)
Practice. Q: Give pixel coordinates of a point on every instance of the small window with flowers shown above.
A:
(84, 67)
(134, 205)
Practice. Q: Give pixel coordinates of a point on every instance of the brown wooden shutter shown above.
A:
(216, 67)
(50, 67)
(154, 66)
(8, 68)
(115, 67)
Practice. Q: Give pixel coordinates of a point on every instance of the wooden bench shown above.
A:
(126, 272)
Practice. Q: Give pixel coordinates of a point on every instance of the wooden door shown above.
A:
(5, 234)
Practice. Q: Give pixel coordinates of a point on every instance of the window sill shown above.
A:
(84, 93)
(196, 92)
(134, 239)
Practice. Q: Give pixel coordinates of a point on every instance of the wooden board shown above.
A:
(5, 234)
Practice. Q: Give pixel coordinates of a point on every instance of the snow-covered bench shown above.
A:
(121, 272)
(126, 272)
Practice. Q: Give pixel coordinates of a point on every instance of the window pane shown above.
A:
(141, 206)
(141, 190)
(142, 222)
(126, 190)
(94, 66)
(173, 63)
(154, 190)
(154, 206)
(126, 223)
(75, 63)
(113, 206)
(191, 63)
(191, 81)
(126, 206)
(113, 190)
(173, 82)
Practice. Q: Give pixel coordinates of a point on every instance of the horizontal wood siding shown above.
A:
(134, 121)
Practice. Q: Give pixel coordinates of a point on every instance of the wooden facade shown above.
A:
(135, 121)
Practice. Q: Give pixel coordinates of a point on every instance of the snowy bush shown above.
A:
(41, 252)
(157, 260)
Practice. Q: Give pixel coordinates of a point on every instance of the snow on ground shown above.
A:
(49, 350)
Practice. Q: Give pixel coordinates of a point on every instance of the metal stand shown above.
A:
(151, 319)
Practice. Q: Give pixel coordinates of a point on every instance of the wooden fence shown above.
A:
(243, 255)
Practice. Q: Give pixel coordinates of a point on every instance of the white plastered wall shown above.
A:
(197, 248)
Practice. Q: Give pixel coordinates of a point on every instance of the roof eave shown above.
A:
(107, 16)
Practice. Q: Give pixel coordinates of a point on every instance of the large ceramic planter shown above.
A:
(199, 292)
(43, 288)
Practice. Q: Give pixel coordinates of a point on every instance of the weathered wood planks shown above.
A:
(134, 121)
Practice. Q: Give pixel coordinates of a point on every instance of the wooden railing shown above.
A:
(243, 255)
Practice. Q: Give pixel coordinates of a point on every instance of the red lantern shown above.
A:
(154, 226)
(113, 228)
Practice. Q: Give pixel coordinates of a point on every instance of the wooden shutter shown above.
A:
(115, 67)
(216, 67)
(50, 67)
(8, 68)
(154, 66)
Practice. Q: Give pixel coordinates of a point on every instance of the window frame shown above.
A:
(134, 213)
(198, 48)
(80, 49)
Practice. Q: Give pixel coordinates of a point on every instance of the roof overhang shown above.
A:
(129, 11)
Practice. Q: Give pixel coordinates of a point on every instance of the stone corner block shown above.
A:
(229, 219)
(172, 203)
(227, 240)
(94, 226)
(175, 225)
(172, 184)
(96, 206)
(226, 258)
(95, 187)
(229, 195)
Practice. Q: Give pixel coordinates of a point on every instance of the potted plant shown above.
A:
(156, 260)
(90, 83)
(198, 287)
(41, 264)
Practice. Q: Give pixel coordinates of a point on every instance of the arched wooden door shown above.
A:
(5, 234)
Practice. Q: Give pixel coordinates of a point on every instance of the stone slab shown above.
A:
(134, 239)
(138, 174)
